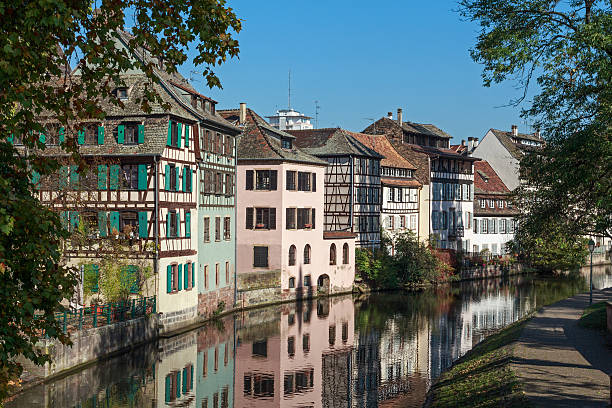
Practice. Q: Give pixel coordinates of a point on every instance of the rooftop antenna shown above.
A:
(289, 89)
(317, 107)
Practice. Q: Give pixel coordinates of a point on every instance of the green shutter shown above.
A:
(167, 173)
(64, 218)
(100, 135)
(167, 225)
(177, 185)
(102, 172)
(185, 170)
(114, 221)
(178, 223)
(180, 135)
(11, 138)
(178, 375)
(143, 224)
(114, 176)
(188, 224)
(185, 380)
(96, 271)
(191, 376)
(142, 176)
(180, 277)
(169, 279)
(193, 282)
(81, 137)
(35, 179)
(140, 133)
(168, 389)
(62, 135)
(42, 138)
(187, 135)
(63, 177)
(121, 134)
(132, 275)
(186, 277)
(74, 220)
(74, 177)
(169, 142)
(102, 223)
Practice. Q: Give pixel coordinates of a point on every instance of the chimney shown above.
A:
(470, 145)
(462, 142)
(390, 115)
(475, 142)
(242, 113)
(514, 130)
(399, 116)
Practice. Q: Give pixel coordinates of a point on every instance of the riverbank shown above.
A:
(544, 360)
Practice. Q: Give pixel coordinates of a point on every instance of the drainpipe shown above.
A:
(156, 229)
(351, 161)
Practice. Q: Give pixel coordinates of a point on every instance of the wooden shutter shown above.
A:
(187, 135)
(100, 135)
(249, 179)
(140, 133)
(62, 135)
(312, 220)
(74, 220)
(74, 177)
(188, 224)
(142, 224)
(114, 176)
(179, 127)
(142, 176)
(114, 221)
(273, 179)
(190, 178)
(168, 221)
(178, 382)
(121, 134)
(169, 141)
(185, 170)
(180, 278)
(102, 224)
(168, 290)
(272, 218)
(193, 268)
(249, 218)
(176, 182)
(185, 278)
(178, 223)
(168, 175)
(314, 182)
(81, 137)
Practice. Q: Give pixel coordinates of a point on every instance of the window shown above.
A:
(391, 222)
(345, 254)
(227, 228)
(304, 181)
(332, 335)
(260, 256)
(306, 343)
(290, 218)
(391, 194)
(484, 226)
(265, 218)
(332, 254)
(291, 346)
(502, 226)
(307, 254)
(122, 93)
(129, 177)
(264, 179)
(187, 181)
(129, 223)
(291, 283)
(173, 223)
(413, 222)
(227, 272)
(483, 203)
(307, 280)
(286, 143)
(206, 229)
(174, 133)
(229, 185)
(205, 276)
(344, 332)
(399, 194)
(402, 221)
(291, 176)
(475, 227)
(216, 277)
(492, 226)
(130, 133)
(217, 228)
(292, 251)
(173, 185)
(303, 218)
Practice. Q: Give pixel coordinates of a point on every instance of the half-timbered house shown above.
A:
(352, 182)
(400, 188)
(284, 252)
(448, 202)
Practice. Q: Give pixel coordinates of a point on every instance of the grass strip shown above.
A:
(482, 377)
(594, 317)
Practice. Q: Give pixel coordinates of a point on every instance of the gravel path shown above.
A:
(560, 363)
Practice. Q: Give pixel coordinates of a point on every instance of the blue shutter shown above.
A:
(185, 380)
(188, 224)
(42, 138)
(142, 176)
(121, 134)
(100, 135)
(169, 279)
(186, 277)
(114, 221)
(132, 271)
(102, 183)
(178, 173)
(178, 379)
(81, 137)
(143, 224)
(167, 173)
(169, 141)
(187, 135)
(140, 133)
(180, 277)
(102, 224)
(114, 176)
(11, 138)
(180, 135)
(35, 179)
(190, 175)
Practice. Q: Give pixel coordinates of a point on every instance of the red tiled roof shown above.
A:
(486, 179)
(338, 234)
(399, 183)
(381, 145)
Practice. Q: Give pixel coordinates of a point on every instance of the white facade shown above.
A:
(289, 119)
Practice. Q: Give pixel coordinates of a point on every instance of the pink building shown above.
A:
(282, 250)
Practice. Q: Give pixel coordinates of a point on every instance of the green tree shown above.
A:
(566, 47)
(41, 42)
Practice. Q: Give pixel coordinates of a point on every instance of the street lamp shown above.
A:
(591, 249)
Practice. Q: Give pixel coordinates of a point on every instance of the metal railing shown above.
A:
(73, 320)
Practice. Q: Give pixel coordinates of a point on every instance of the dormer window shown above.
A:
(207, 106)
(286, 143)
(122, 93)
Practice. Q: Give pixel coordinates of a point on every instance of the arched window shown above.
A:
(332, 254)
(345, 253)
(307, 254)
(292, 255)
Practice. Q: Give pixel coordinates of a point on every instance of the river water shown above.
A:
(381, 350)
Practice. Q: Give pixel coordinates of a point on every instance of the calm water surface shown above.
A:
(382, 350)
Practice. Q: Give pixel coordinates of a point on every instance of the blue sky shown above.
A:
(361, 59)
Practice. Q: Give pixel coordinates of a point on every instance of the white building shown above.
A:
(289, 119)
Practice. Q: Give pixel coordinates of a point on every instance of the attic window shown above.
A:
(286, 143)
(122, 93)
(484, 176)
(207, 106)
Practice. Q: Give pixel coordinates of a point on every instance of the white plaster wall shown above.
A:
(506, 166)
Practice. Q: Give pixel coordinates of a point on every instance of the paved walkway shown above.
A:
(560, 363)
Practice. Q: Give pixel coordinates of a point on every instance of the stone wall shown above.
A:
(490, 271)
(92, 344)
(209, 302)
(178, 319)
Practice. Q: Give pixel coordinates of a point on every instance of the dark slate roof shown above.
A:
(439, 151)
(332, 142)
(425, 129)
(260, 141)
(515, 149)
